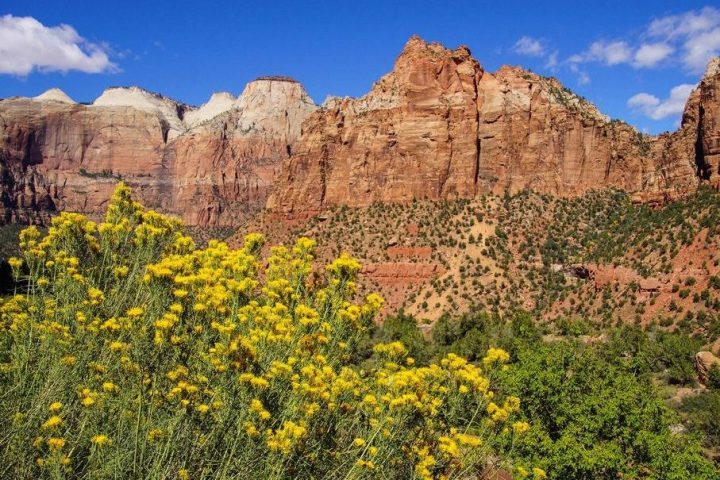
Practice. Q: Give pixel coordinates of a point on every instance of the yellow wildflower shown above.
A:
(135, 312)
(55, 443)
(520, 427)
(496, 355)
(52, 422)
(100, 440)
(15, 263)
(118, 346)
(69, 360)
(109, 387)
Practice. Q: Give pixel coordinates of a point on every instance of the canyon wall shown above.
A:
(213, 165)
(440, 127)
(437, 127)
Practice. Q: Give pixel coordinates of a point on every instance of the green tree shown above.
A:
(593, 418)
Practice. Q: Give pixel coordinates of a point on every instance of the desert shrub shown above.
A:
(594, 418)
(404, 328)
(468, 335)
(674, 353)
(8, 248)
(135, 355)
(702, 413)
(573, 326)
(714, 377)
(592, 409)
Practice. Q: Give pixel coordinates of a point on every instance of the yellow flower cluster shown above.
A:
(502, 413)
(220, 357)
(283, 439)
(495, 355)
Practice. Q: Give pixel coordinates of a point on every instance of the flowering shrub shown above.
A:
(132, 354)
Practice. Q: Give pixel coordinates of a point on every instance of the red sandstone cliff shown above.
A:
(212, 166)
(439, 126)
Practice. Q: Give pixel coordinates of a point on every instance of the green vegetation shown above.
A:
(8, 248)
(133, 354)
(103, 174)
(702, 413)
(598, 305)
(593, 406)
(599, 257)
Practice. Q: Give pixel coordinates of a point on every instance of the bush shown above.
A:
(136, 355)
(703, 414)
(675, 352)
(714, 377)
(403, 328)
(593, 418)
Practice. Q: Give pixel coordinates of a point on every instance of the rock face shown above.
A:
(413, 136)
(703, 112)
(704, 361)
(220, 102)
(212, 166)
(54, 95)
(440, 127)
(223, 169)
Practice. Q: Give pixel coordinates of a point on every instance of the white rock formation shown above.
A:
(713, 67)
(220, 102)
(269, 99)
(135, 97)
(54, 95)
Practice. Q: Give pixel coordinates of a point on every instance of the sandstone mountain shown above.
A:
(440, 127)
(437, 127)
(212, 165)
(54, 95)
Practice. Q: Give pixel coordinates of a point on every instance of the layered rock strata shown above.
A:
(440, 127)
(213, 165)
(437, 127)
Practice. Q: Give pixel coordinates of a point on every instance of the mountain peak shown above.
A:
(275, 78)
(54, 95)
(132, 96)
(220, 102)
(713, 68)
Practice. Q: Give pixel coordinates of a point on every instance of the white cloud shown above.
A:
(652, 107)
(529, 46)
(27, 45)
(699, 49)
(685, 24)
(650, 54)
(552, 60)
(607, 53)
(690, 39)
(583, 78)
(696, 33)
(611, 53)
(643, 101)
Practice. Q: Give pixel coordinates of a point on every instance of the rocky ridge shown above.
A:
(440, 127)
(437, 127)
(212, 165)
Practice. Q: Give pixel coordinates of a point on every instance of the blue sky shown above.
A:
(637, 60)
